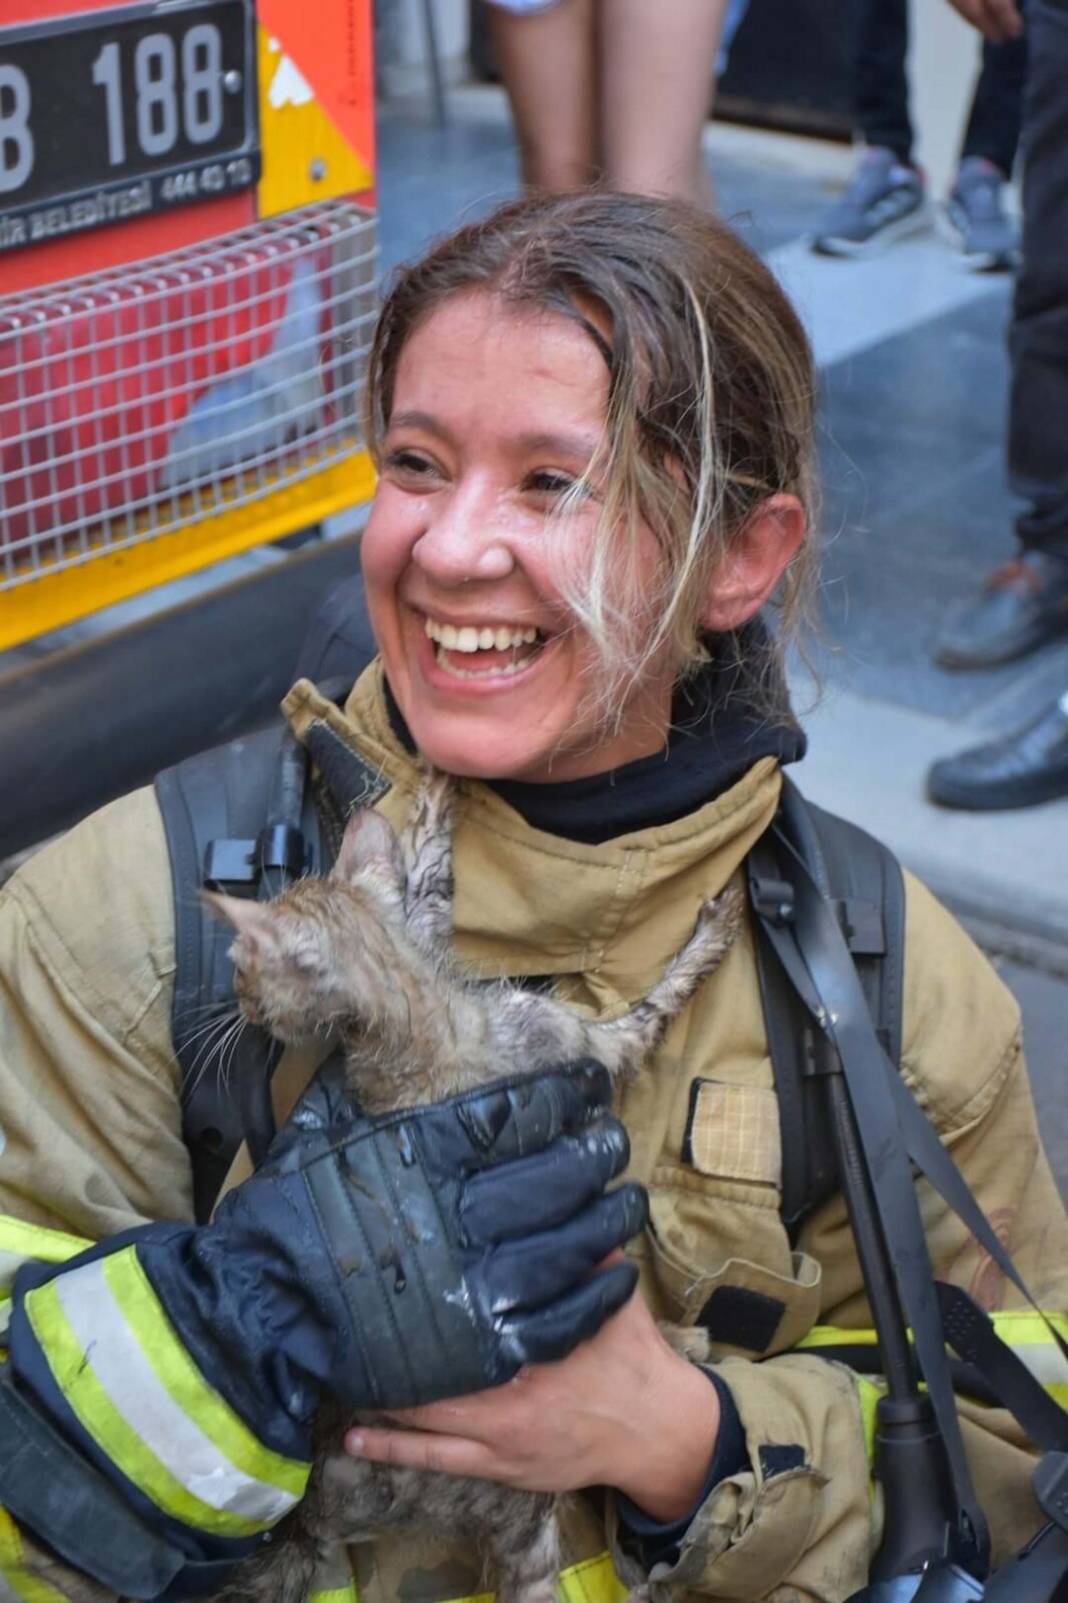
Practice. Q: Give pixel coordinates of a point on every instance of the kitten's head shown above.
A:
(325, 949)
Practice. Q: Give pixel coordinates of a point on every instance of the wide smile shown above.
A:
(483, 654)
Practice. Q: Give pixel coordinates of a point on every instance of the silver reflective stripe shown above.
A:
(1045, 1361)
(5, 1319)
(7, 1593)
(136, 1392)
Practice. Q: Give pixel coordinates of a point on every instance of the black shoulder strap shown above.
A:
(867, 1102)
(243, 819)
(863, 881)
(236, 819)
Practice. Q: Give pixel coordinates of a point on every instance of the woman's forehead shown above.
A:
(478, 349)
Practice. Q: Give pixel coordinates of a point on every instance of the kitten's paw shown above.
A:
(434, 803)
(543, 1591)
(718, 923)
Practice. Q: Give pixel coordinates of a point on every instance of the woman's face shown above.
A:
(497, 411)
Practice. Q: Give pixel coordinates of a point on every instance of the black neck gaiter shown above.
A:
(719, 729)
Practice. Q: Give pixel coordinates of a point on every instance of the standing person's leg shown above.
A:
(987, 236)
(880, 82)
(885, 197)
(1038, 339)
(993, 130)
(657, 66)
(548, 62)
(1025, 602)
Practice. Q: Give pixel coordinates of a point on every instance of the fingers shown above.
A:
(998, 20)
(548, 1334)
(416, 1449)
(525, 1115)
(1007, 18)
(546, 1190)
(541, 1269)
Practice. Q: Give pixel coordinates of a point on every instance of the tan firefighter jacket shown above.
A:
(91, 1144)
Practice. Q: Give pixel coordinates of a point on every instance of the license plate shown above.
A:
(110, 115)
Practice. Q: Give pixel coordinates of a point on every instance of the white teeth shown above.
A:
(470, 639)
(515, 666)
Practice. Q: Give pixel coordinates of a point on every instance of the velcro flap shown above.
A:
(733, 1132)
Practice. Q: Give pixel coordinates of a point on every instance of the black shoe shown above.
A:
(1023, 604)
(1030, 765)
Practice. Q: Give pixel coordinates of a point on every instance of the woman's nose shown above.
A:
(464, 540)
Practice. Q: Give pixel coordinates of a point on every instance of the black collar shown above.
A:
(717, 734)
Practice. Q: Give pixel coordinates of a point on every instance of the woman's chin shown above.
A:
(484, 758)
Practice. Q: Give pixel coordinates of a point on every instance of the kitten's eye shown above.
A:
(410, 469)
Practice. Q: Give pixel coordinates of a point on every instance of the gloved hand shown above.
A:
(385, 1261)
(422, 1254)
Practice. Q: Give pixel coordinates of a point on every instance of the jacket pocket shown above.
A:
(746, 1307)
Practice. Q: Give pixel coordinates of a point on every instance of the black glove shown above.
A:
(155, 1416)
(417, 1255)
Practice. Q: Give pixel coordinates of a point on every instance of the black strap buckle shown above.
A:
(1050, 1482)
(773, 899)
(229, 863)
(862, 926)
(282, 847)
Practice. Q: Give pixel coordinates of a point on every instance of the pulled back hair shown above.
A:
(710, 402)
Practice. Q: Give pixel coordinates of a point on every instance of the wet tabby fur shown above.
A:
(364, 953)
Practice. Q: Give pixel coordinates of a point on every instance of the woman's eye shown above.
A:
(410, 465)
(554, 485)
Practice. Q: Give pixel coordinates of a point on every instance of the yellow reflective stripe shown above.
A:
(592, 1581)
(21, 1242)
(868, 1394)
(98, 1415)
(1024, 1325)
(336, 1594)
(1030, 1339)
(1026, 1332)
(177, 1372)
(38, 1241)
(25, 1243)
(15, 1580)
(837, 1336)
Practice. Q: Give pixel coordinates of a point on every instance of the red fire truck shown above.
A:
(187, 265)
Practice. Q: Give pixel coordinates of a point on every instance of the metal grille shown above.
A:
(140, 400)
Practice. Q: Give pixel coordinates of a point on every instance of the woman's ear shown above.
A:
(758, 557)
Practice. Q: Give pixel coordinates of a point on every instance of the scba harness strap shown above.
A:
(935, 1538)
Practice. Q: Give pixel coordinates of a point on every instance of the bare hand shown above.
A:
(998, 20)
(622, 1410)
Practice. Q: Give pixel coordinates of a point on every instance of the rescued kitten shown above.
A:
(364, 953)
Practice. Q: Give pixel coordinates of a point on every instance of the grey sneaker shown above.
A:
(975, 218)
(884, 200)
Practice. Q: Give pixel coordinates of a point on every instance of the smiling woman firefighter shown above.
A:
(592, 417)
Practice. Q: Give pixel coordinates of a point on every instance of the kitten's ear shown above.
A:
(370, 844)
(250, 919)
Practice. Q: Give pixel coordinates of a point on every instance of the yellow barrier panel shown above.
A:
(54, 599)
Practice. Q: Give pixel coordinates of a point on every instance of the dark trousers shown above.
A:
(1038, 338)
(882, 92)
